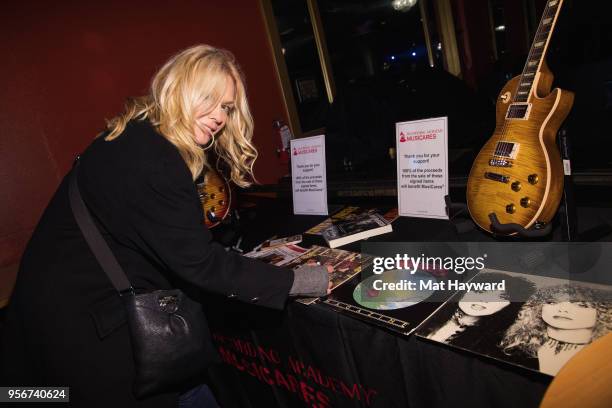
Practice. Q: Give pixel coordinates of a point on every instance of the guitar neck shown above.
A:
(538, 50)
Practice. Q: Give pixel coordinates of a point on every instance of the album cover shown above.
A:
(401, 309)
(552, 321)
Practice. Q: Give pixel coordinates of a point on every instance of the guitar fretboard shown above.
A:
(538, 50)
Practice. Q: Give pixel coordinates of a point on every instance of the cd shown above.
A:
(392, 290)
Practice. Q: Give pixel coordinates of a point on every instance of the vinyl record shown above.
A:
(366, 295)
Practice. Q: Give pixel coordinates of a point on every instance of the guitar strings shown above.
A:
(503, 132)
(546, 14)
(540, 32)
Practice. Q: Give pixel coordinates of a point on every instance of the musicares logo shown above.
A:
(416, 136)
(306, 150)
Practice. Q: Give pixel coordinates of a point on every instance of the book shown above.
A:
(278, 255)
(346, 264)
(351, 213)
(362, 227)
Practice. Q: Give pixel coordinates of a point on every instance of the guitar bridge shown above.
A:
(500, 163)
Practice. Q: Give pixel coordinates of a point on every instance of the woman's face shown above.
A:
(209, 122)
(569, 315)
(483, 304)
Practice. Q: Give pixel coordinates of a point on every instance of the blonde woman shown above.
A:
(65, 325)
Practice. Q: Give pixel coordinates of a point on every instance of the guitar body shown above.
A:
(215, 196)
(524, 185)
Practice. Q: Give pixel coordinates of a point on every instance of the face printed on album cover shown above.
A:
(569, 315)
(483, 304)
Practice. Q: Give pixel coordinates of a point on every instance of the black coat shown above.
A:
(62, 328)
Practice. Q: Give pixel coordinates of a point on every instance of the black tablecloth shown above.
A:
(315, 356)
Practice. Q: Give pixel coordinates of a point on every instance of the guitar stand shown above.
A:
(465, 223)
(537, 230)
(568, 214)
(454, 211)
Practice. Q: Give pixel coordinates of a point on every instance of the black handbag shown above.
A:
(170, 339)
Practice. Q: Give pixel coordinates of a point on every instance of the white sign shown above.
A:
(422, 167)
(308, 175)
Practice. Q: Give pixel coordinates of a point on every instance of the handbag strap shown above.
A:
(94, 238)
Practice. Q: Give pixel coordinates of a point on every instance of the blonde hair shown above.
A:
(192, 78)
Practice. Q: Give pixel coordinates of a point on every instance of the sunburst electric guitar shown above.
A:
(517, 178)
(215, 196)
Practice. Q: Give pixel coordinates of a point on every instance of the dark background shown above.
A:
(382, 74)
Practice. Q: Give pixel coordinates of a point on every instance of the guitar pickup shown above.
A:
(506, 150)
(497, 177)
(518, 111)
(500, 163)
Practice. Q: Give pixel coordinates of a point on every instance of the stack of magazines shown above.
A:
(349, 225)
(346, 264)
